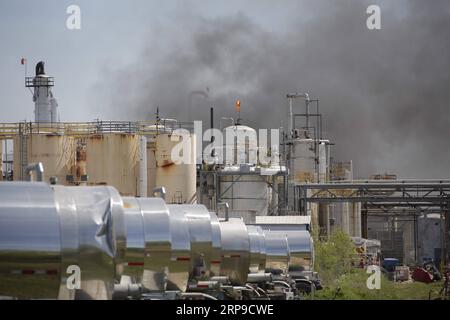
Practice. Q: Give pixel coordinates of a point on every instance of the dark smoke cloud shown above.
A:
(384, 94)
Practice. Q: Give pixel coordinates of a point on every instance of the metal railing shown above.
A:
(11, 130)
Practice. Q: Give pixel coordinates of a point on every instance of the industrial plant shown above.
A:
(102, 210)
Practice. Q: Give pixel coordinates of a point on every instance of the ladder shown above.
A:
(23, 154)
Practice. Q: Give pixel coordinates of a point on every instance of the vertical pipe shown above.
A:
(143, 167)
(227, 208)
(291, 118)
(307, 114)
(327, 208)
(416, 236)
(445, 238)
(211, 113)
(38, 169)
(364, 230)
(6, 159)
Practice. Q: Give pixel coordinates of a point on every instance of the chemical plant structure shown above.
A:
(107, 199)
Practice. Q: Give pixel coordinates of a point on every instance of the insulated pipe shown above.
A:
(56, 239)
(112, 238)
(38, 169)
(161, 191)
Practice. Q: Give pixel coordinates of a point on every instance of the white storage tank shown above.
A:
(244, 184)
(248, 193)
(241, 145)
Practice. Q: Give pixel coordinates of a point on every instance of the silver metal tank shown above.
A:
(30, 247)
(235, 251)
(277, 251)
(257, 249)
(180, 262)
(44, 230)
(93, 237)
(201, 238)
(134, 223)
(157, 239)
(216, 257)
(200, 231)
(301, 250)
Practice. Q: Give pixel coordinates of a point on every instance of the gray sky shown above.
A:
(384, 94)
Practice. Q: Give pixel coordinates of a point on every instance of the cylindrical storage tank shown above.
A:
(235, 251)
(180, 262)
(179, 179)
(247, 194)
(151, 165)
(340, 214)
(56, 152)
(357, 224)
(302, 163)
(42, 98)
(277, 251)
(157, 237)
(113, 159)
(30, 246)
(257, 249)
(241, 145)
(301, 250)
(80, 171)
(201, 237)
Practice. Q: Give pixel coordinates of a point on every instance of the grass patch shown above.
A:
(352, 286)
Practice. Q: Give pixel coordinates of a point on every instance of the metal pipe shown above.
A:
(252, 289)
(161, 191)
(292, 96)
(38, 169)
(127, 290)
(259, 277)
(284, 283)
(226, 206)
(197, 295)
(220, 279)
(211, 118)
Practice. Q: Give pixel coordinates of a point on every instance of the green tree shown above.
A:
(334, 257)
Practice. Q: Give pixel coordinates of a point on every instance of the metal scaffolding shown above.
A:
(220, 194)
(396, 198)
